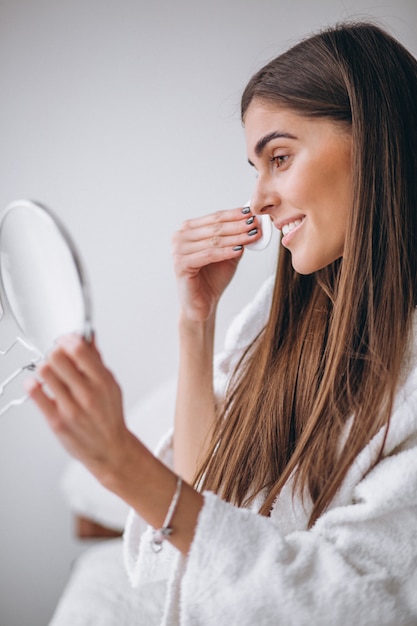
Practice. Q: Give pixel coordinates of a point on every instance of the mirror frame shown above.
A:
(67, 239)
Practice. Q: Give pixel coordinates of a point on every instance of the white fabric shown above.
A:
(357, 565)
(99, 593)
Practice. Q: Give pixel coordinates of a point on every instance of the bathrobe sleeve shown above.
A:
(357, 565)
(141, 564)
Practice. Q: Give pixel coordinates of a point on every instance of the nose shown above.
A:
(264, 197)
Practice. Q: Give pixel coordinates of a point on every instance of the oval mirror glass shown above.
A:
(43, 283)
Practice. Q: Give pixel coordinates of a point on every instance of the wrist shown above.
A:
(140, 479)
(152, 489)
(128, 463)
(198, 329)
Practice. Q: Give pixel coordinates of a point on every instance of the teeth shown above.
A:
(289, 227)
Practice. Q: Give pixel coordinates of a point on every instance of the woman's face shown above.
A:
(304, 181)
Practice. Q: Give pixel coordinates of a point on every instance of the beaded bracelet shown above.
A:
(160, 534)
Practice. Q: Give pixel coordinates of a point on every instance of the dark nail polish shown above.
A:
(245, 210)
(252, 232)
(236, 248)
(250, 220)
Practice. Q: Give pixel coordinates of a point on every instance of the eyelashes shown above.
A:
(279, 160)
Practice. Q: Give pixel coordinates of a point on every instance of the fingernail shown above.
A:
(245, 210)
(250, 220)
(252, 232)
(68, 341)
(236, 248)
(29, 384)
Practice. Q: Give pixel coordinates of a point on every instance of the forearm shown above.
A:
(84, 408)
(148, 485)
(195, 407)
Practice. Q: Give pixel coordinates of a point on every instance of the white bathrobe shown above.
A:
(356, 566)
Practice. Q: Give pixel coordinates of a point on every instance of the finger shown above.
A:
(64, 377)
(66, 398)
(191, 264)
(220, 224)
(64, 425)
(79, 368)
(75, 392)
(217, 238)
(84, 356)
(229, 215)
(46, 404)
(209, 242)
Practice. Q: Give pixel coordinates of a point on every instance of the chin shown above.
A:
(305, 268)
(309, 266)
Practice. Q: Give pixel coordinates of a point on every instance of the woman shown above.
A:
(299, 500)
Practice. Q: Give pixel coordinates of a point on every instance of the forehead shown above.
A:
(262, 116)
(265, 122)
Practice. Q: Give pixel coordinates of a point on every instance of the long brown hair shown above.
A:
(335, 340)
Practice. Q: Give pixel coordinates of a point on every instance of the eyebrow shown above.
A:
(276, 134)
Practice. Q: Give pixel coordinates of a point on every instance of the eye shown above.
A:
(279, 160)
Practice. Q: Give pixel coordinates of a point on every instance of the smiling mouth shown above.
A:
(287, 228)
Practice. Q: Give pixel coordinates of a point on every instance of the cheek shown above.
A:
(307, 194)
(330, 196)
(301, 188)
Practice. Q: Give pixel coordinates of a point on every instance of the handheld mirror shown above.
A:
(43, 286)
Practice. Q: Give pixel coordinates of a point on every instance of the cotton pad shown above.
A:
(266, 228)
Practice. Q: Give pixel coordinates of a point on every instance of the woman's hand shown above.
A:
(82, 403)
(206, 252)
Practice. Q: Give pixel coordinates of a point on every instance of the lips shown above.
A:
(287, 226)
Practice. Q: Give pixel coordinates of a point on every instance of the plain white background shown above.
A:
(123, 117)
